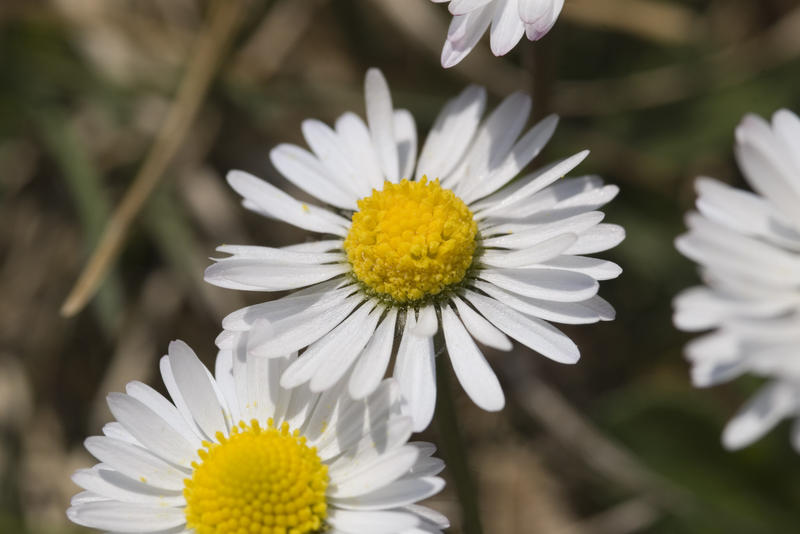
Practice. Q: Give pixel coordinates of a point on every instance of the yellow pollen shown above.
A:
(257, 480)
(411, 240)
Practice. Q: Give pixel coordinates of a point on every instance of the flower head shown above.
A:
(236, 453)
(748, 247)
(449, 240)
(509, 20)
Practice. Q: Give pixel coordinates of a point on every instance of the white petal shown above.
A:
(473, 371)
(534, 183)
(126, 517)
(531, 11)
(584, 312)
(460, 7)
(315, 247)
(261, 396)
(601, 237)
(279, 256)
(382, 436)
(536, 30)
(113, 485)
(156, 402)
(86, 496)
(765, 171)
(507, 28)
(415, 370)
(273, 339)
(306, 172)
(451, 134)
(353, 335)
(786, 126)
(151, 429)
(480, 328)
(430, 515)
(523, 152)
(531, 256)
(356, 136)
(334, 155)
(531, 332)
(365, 421)
(398, 493)
(261, 275)
(524, 235)
(375, 474)
(117, 431)
(767, 408)
(594, 267)
(795, 436)
(196, 388)
(547, 284)
(372, 364)
(374, 522)
(493, 142)
(223, 375)
(427, 323)
(272, 202)
(301, 402)
(135, 462)
(744, 212)
(405, 133)
(464, 33)
(337, 345)
(324, 416)
(380, 118)
(317, 297)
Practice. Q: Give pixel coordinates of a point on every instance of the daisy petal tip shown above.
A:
(496, 404)
(732, 438)
(178, 347)
(452, 56)
(375, 81)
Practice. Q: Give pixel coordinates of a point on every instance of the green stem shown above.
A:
(453, 448)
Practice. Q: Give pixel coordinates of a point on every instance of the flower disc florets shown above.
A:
(259, 480)
(411, 240)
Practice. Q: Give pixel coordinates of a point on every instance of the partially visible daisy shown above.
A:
(748, 246)
(509, 20)
(237, 453)
(453, 245)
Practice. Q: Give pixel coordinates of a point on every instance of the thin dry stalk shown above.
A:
(211, 46)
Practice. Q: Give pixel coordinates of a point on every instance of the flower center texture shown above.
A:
(411, 240)
(257, 480)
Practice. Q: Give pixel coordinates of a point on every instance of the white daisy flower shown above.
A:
(453, 244)
(748, 247)
(509, 20)
(237, 453)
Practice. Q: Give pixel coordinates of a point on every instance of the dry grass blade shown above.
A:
(211, 46)
(569, 428)
(664, 22)
(627, 517)
(664, 85)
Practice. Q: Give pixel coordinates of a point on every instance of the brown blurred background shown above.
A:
(620, 443)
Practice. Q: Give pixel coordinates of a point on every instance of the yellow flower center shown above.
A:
(258, 480)
(411, 240)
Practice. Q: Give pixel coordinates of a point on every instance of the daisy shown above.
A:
(237, 453)
(509, 19)
(454, 245)
(748, 247)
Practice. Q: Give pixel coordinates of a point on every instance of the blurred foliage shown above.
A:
(84, 86)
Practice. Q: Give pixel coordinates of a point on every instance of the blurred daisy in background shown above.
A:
(509, 21)
(748, 247)
(236, 452)
(453, 246)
